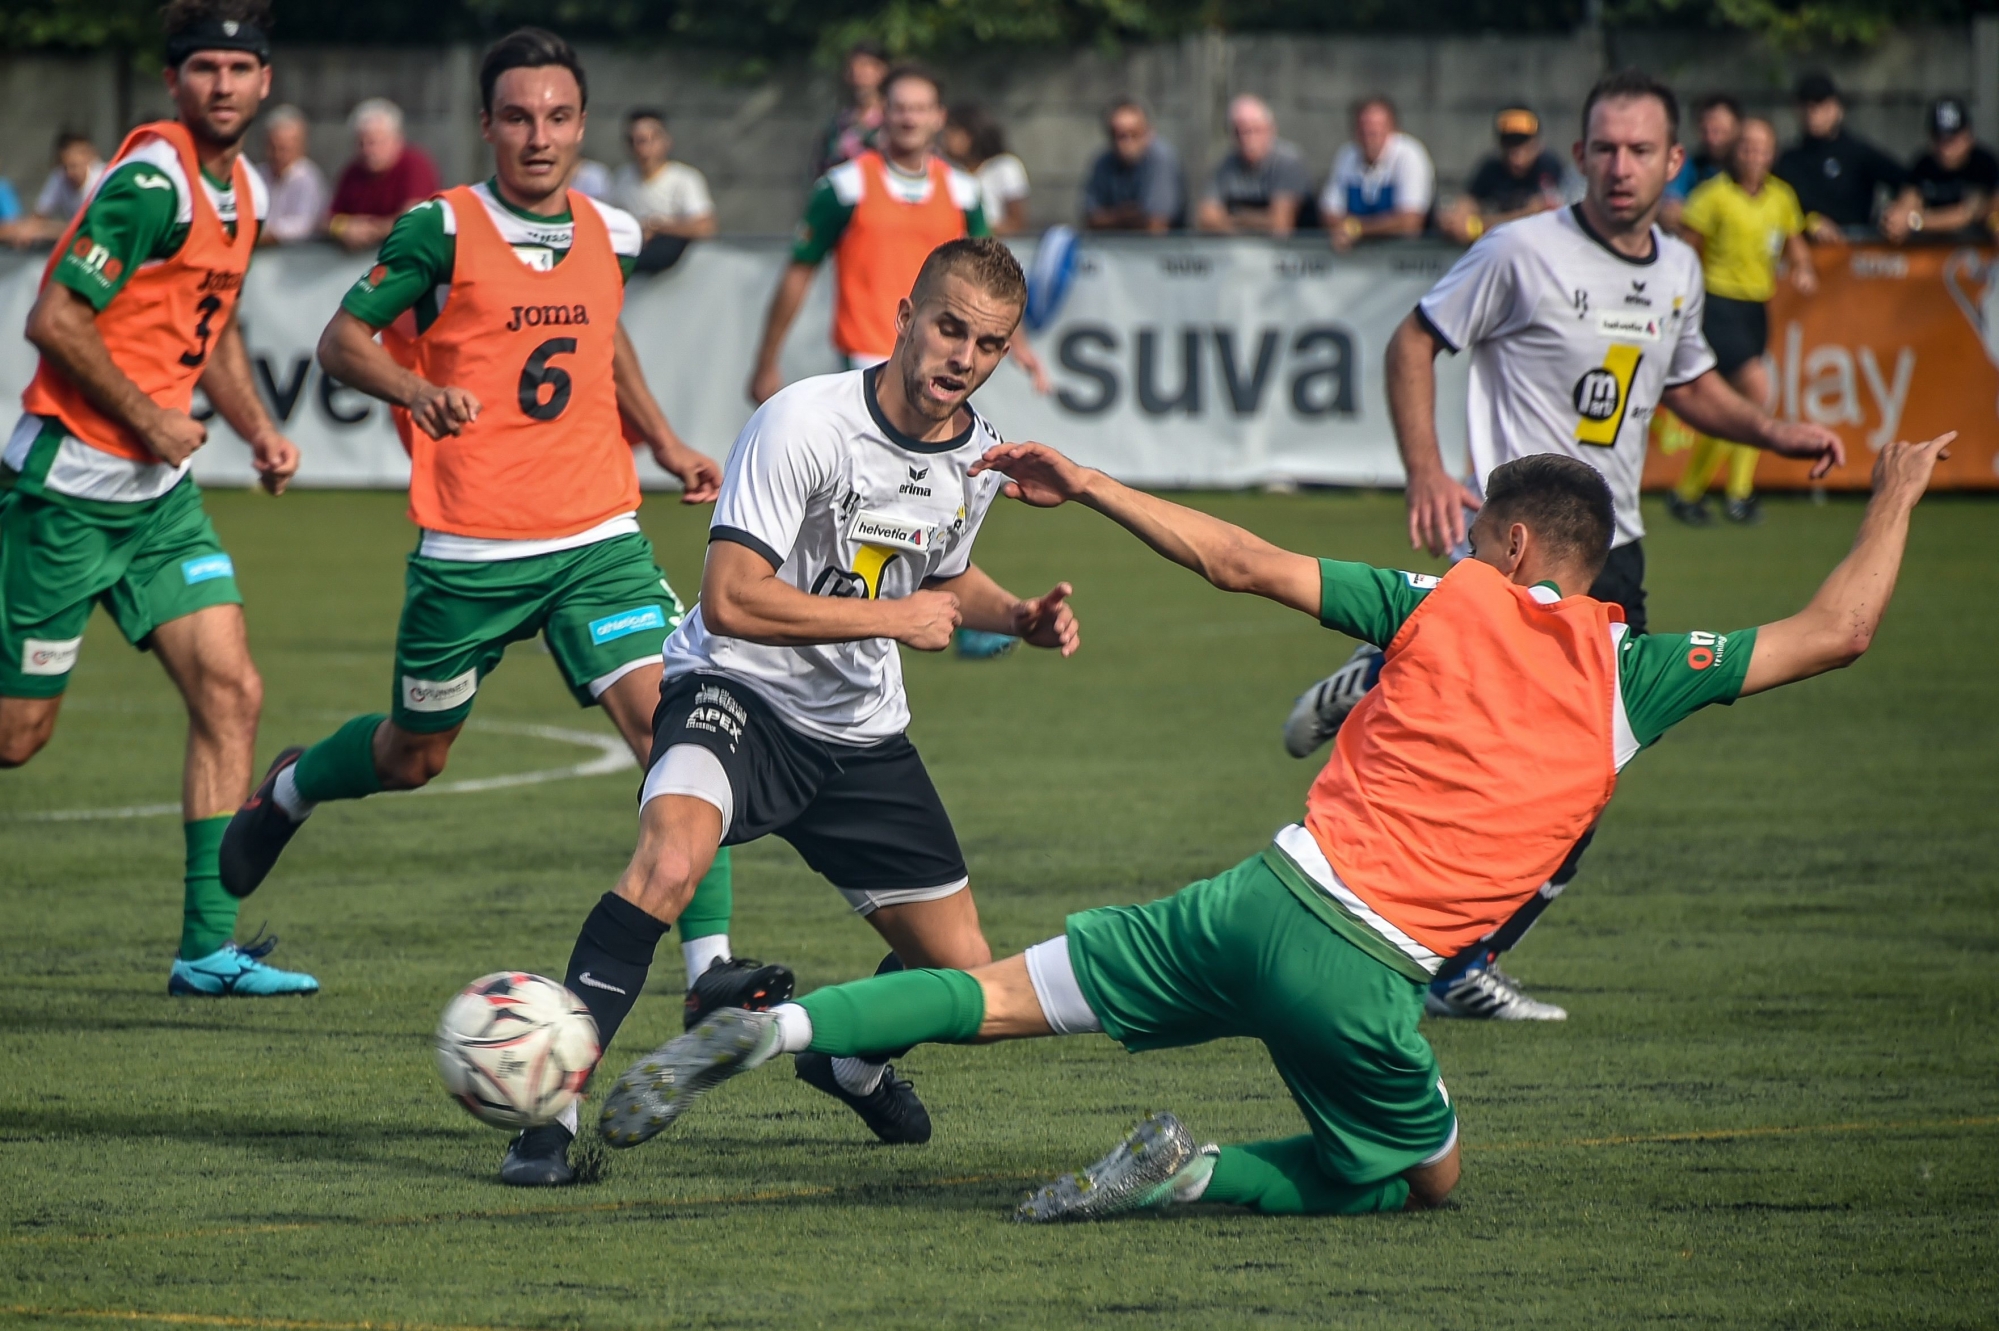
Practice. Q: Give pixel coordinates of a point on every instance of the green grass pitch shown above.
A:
(1773, 1105)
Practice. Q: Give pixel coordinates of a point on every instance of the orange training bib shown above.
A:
(1460, 782)
(547, 456)
(161, 325)
(882, 250)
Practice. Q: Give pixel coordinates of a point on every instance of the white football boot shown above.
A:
(1317, 714)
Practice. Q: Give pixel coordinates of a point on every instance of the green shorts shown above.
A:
(601, 608)
(1241, 955)
(147, 563)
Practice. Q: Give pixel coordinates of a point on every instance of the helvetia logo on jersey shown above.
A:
(1623, 324)
(41, 656)
(439, 695)
(875, 528)
(625, 623)
(547, 316)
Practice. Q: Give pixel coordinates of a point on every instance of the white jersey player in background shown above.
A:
(844, 527)
(1580, 322)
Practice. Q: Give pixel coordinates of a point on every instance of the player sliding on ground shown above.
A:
(1508, 702)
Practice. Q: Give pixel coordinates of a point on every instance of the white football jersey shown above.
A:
(1572, 346)
(842, 504)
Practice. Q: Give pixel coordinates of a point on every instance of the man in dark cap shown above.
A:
(1523, 177)
(1953, 186)
(1836, 175)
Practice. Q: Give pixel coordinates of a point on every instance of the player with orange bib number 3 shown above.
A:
(518, 395)
(137, 309)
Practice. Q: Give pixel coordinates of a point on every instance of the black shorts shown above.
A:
(1738, 330)
(1622, 583)
(865, 817)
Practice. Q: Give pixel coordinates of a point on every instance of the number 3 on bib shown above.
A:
(1602, 396)
(538, 374)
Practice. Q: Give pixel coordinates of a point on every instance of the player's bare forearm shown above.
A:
(635, 399)
(785, 303)
(1711, 405)
(1840, 622)
(226, 380)
(349, 352)
(742, 597)
(1410, 368)
(1227, 556)
(982, 603)
(63, 327)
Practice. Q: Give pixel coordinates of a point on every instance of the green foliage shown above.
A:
(763, 30)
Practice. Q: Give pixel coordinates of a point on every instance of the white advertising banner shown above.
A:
(1174, 362)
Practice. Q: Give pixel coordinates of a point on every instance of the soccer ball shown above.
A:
(515, 1049)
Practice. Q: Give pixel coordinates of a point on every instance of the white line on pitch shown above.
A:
(612, 756)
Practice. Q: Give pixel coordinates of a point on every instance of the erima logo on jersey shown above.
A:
(875, 528)
(439, 695)
(206, 569)
(1618, 323)
(547, 316)
(41, 656)
(625, 623)
(913, 485)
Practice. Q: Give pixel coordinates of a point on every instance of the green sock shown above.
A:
(895, 1010)
(341, 766)
(707, 914)
(208, 914)
(1284, 1178)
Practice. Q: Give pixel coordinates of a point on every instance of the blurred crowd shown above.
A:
(1381, 183)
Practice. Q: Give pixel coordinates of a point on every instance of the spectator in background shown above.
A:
(386, 178)
(76, 172)
(1135, 184)
(1718, 122)
(296, 184)
(1835, 174)
(669, 198)
(1523, 177)
(1259, 185)
(855, 127)
(974, 141)
(1953, 186)
(1382, 182)
(592, 179)
(10, 202)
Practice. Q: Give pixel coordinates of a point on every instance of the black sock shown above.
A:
(608, 968)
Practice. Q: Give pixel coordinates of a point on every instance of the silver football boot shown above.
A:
(660, 1087)
(1156, 1165)
(1489, 994)
(1316, 716)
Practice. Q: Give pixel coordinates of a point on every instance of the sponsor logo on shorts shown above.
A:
(206, 568)
(40, 656)
(1623, 323)
(435, 695)
(717, 712)
(626, 622)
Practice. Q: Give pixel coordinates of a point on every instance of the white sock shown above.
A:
(569, 1117)
(701, 953)
(794, 1028)
(296, 806)
(857, 1076)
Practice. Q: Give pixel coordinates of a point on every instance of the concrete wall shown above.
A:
(754, 139)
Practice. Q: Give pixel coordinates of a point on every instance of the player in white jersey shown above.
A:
(845, 526)
(1580, 322)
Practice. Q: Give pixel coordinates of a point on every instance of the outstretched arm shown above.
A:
(1231, 558)
(1712, 406)
(1045, 621)
(1839, 623)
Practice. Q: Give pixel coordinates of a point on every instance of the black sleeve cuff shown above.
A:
(743, 538)
(1423, 317)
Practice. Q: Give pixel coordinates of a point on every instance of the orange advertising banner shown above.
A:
(1896, 344)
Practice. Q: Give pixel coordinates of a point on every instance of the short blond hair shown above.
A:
(983, 261)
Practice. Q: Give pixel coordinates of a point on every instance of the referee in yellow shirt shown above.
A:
(1741, 221)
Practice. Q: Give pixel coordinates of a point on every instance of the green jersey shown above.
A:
(1662, 678)
(838, 193)
(413, 269)
(141, 212)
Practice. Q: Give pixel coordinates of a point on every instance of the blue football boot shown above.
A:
(233, 971)
(978, 645)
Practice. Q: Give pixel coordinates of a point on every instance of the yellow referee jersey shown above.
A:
(1742, 233)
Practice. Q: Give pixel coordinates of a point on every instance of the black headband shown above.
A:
(214, 34)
